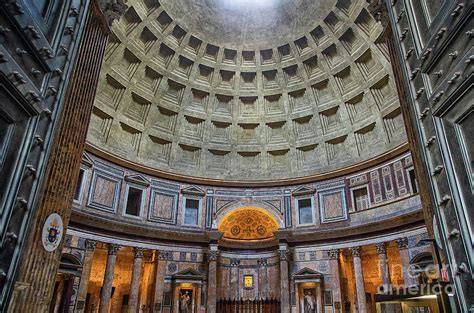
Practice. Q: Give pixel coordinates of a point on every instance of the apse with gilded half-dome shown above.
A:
(248, 223)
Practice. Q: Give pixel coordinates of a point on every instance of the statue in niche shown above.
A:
(309, 301)
(185, 301)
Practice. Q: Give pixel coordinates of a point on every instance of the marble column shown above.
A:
(262, 278)
(320, 297)
(135, 285)
(405, 259)
(234, 279)
(108, 278)
(212, 278)
(359, 280)
(383, 266)
(198, 298)
(284, 278)
(336, 279)
(161, 258)
(85, 275)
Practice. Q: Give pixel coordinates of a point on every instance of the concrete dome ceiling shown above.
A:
(195, 89)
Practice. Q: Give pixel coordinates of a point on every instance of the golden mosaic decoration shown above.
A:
(248, 223)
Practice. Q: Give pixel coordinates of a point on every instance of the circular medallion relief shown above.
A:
(52, 232)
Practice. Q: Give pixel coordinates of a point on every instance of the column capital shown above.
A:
(113, 248)
(138, 252)
(90, 244)
(355, 251)
(402, 243)
(234, 262)
(262, 262)
(284, 254)
(381, 247)
(333, 254)
(212, 255)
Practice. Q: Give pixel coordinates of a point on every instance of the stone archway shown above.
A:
(276, 214)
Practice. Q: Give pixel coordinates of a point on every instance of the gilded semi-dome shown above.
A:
(205, 89)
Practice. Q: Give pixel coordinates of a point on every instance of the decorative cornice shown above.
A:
(381, 248)
(355, 251)
(333, 254)
(98, 151)
(138, 252)
(90, 244)
(113, 248)
(402, 243)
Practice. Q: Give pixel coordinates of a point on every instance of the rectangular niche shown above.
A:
(165, 120)
(159, 148)
(248, 107)
(151, 80)
(220, 132)
(302, 45)
(266, 56)
(205, 74)
(323, 92)
(298, 101)
(319, 36)
(333, 56)
(184, 67)
(128, 65)
(219, 160)
(292, 75)
(100, 125)
(278, 160)
(189, 156)
(394, 125)
(163, 206)
(274, 105)
(223, 105)
(384, 93)
(333, 22)
(357, 108)
(227, 79)
(111, 93)
(312, 68)
(303, 127)
(248, 58)
(248, 80)
(163, 21)
(249, 161)
(276, 132)
(174, 93)
(330, 120)
(199, 101)
(146, 40)
(350, 41)
(128, 137)
(285, 52)
(138, 108)
(150, 6)
(193, 127)
(368, 66)
(211, 52)
(177, 35)
(336, 149)
(366, 23)
(164, 56)
(346, 6)
(270, 79)
(345, 80)
(129, 21)
(193, 45)
(229, 56)
(307, 157)
(366, 139)
(248, 133)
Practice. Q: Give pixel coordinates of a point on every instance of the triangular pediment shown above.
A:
(304, 190)
(87, 160)
(306, 271)
(193, 190)
(190, 272)
(138, 179)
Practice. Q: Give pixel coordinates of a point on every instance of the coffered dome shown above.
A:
(237, 91)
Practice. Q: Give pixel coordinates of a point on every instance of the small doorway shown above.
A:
(66, 284)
